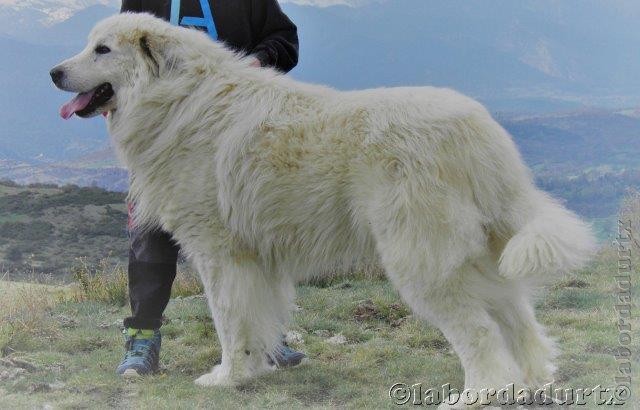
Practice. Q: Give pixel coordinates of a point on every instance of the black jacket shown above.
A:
(256, 27)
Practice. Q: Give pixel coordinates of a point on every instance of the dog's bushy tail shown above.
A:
(554, 241)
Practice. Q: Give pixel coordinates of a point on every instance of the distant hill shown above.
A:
(97, 169)
(566, 143)
(43, 227)
(589, 159)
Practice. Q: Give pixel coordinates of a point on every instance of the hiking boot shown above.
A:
(143, 353)
(287, 357)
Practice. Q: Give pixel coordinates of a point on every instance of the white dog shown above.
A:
(265, 181)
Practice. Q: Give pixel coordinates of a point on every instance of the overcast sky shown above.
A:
(80, 3)
(327, 3)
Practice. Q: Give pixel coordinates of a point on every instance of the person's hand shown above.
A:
(255, 63)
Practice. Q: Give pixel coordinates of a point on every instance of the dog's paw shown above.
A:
(217, 377)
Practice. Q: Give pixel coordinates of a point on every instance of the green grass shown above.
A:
(74, 344)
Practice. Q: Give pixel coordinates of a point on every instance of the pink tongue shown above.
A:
(78, 103)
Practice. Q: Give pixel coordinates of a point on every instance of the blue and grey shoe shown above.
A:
(287, 357)
(143, 353)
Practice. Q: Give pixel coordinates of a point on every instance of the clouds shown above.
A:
(75, 4)
(51, 12)
(54, 11)
(328, 3)
(80, 4)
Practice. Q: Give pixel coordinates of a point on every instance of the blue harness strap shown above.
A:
(205, 21)
(175, 12)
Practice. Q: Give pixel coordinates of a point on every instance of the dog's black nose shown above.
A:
(56, 75)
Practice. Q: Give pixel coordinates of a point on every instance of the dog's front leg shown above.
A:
(250, 309)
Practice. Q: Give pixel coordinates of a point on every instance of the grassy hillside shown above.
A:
(62, 352)
(43, 228)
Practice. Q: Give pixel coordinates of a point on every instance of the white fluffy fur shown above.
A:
(265, 181)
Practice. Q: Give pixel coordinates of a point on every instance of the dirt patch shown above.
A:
(366, 310)
(573, 283)
(394, 314)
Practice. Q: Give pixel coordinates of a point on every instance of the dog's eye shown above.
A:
(102, 49)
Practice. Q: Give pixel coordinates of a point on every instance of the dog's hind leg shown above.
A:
(429, 264)
(250, 309)
(468, 325)
(510, 305)
(512, 308)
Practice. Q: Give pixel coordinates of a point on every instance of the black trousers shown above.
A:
(153, 259)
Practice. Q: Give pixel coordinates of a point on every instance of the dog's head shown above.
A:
(122, 51)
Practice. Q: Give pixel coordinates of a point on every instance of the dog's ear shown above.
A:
(151, 57)
(157, 52)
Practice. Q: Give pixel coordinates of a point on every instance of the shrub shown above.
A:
(42, 185)
(14, 254)
(186, 284)
(24, 314)
(104, 282)
(27, 231)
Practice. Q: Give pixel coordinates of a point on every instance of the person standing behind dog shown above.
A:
(261, 30)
